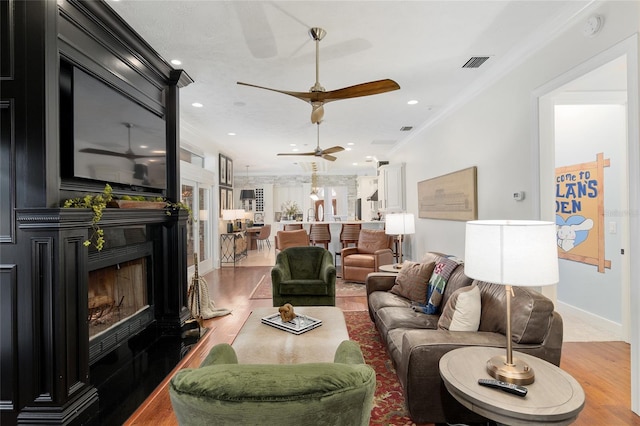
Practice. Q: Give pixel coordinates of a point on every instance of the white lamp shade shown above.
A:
(512, 252)
(239, 213)
(399, 224)
(228, 214)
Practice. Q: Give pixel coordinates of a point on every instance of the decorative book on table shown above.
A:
(300, 324)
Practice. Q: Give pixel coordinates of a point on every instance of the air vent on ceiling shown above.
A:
(406, 128)
(475, 62)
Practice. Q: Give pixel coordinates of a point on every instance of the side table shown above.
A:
(555, 398)
(389, 268)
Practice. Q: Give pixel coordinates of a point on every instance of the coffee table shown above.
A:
(258, 343)
(555, 398)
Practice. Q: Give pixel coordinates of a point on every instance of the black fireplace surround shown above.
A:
(49, 367)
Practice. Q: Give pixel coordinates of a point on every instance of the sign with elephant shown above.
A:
(580, 212)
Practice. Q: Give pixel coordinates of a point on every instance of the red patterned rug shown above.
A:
(343, 289)
(388, 404)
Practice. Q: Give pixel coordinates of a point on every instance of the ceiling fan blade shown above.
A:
(363, 89)
(129, 155)
(317, 113)
(297, 153)
(104, 152)
(329, 157)
(304, 96)
(332, 150)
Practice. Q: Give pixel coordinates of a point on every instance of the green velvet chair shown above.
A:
(304, 276)
(222, 392)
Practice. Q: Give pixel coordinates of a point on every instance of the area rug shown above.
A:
(343, 289)
(388, 404)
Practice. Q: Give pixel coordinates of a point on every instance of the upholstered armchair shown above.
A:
(373, 250)
(225, 393)
(304, 276)
(295, 238)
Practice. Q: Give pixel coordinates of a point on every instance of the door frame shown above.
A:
(543, 157)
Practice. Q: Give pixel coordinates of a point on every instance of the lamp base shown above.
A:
(397, 266)
(518, 373)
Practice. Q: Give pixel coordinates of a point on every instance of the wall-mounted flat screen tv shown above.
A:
(115, 139)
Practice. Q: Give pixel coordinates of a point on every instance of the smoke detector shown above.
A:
(592, 26)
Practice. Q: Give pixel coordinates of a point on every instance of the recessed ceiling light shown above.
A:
(347, 149)
(176, 62)
(351, 143)
(143, 146)
(412, 102)
(295, 150)
(231, 134)
(354, 164)
(292, 144)
(368, 156)
(197, 105)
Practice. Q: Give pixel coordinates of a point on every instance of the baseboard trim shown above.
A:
(592, 321)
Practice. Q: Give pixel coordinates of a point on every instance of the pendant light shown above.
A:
(247, 194)
(314, 183)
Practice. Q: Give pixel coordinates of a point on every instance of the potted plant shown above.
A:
(98, 202)
(289, 210)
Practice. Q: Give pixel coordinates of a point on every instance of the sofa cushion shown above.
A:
(531, 313)
(390, 318)
(412, 281)
(462, 311)
(304, 287)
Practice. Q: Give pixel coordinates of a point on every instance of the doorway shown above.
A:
(607, 81)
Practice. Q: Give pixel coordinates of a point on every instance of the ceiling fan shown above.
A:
(317, 96)
(127, 154)
(319, 152)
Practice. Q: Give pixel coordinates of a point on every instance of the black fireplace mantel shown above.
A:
(44, 265)
(58, 291)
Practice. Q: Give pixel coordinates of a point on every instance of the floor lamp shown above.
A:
(511, 253)
(399, 224)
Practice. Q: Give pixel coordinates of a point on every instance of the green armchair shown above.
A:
(304, 276)
(223, 392)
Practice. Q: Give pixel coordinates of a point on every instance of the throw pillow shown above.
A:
(438, 282)
(462, 311)
(411, 282)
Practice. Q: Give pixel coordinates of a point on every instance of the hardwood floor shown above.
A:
(602, 368)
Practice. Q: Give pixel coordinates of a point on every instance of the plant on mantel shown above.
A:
(98, 202)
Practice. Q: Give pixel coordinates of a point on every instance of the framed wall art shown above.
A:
(229, 172)
(451, 197)
(229, 198)
(223, 200)
(222, 160)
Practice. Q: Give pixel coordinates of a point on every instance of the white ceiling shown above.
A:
(422, 45)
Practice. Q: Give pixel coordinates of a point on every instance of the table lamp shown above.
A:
(230, 216)
(239, 216)
(399, 224)
(511, 253)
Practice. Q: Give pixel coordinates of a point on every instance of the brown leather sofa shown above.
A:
(415, 345)
(373, 249)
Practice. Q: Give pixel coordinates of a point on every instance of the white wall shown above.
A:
(582, 131)
(494, 132)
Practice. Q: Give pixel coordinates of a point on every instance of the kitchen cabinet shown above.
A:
(391, 188)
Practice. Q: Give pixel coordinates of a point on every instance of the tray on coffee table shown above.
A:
(300, 324)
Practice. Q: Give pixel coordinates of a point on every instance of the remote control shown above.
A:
(504, 386)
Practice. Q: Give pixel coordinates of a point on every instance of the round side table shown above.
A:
(389, 268)
(554, 398)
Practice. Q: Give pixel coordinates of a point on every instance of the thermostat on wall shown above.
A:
(518, 196)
